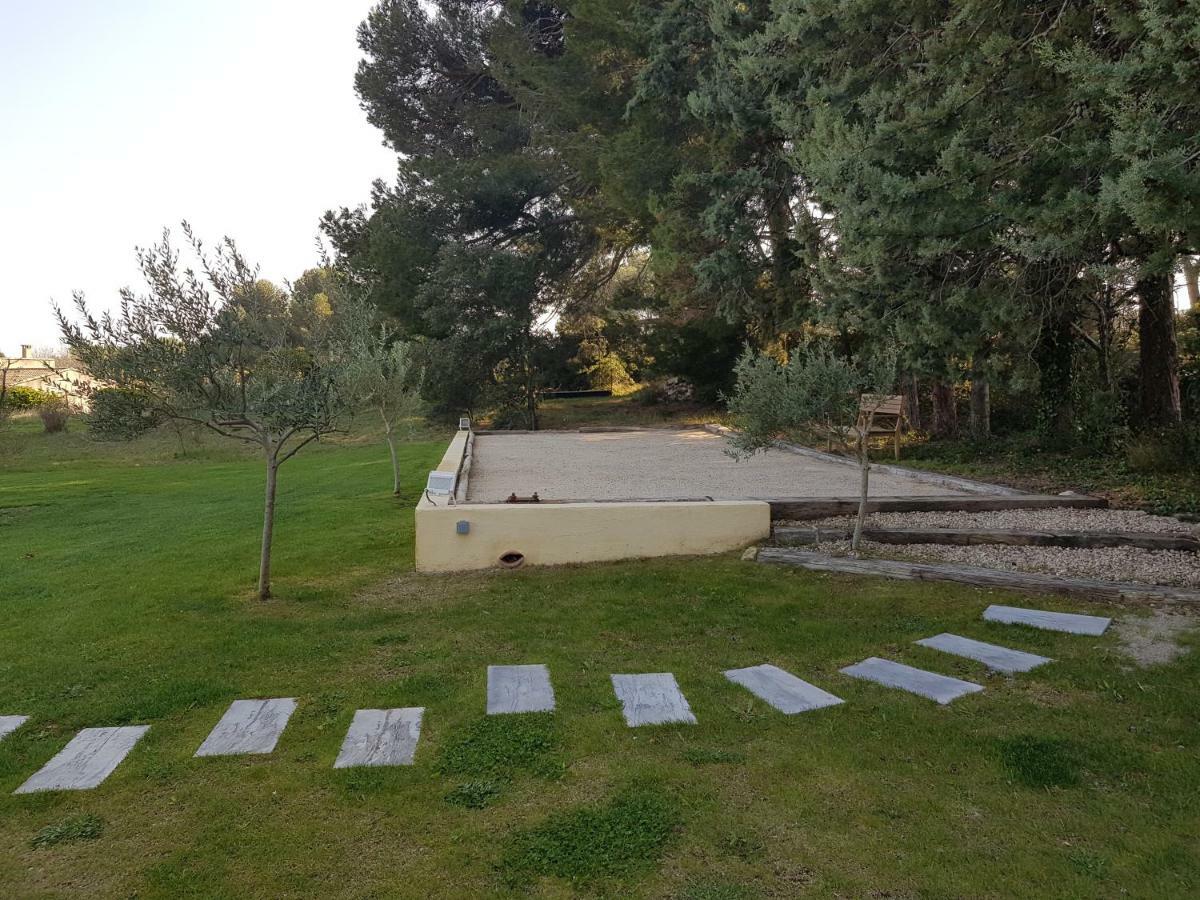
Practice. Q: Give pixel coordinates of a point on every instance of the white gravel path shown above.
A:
(661, 464)
(1170, 567)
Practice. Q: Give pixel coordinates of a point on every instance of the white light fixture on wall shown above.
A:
(440, 484)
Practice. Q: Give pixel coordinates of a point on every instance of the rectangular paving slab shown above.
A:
(381, 737)
(9, 724)
(249, 726)
(1072, 623)
(651, 699)
(781, 689)
(940, 688)
(999, 659)
(86, 761)
(519, 689)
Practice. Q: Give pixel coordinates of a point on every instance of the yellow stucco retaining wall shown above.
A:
(556, 533)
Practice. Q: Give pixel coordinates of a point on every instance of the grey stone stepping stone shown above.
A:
(999, 659)
(1073, 623)
(781, 689)
(9, 724)
(940, 688)
(519, 689)
(381, 737)
(86, 761)
(652, 699)
(249, 726)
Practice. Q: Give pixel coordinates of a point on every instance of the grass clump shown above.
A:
(717, 890)
(1041, 762)
(1090, 864)
(623, 836)
(705, 756)
(502, 745)
(68, 831)
(492, 750)
(475, 794)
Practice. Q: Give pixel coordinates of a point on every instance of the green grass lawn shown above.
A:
(127, 574)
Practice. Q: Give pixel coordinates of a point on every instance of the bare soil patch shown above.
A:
(1153, 640)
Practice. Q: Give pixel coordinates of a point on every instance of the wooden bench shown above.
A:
(886, 416)
(885, 412)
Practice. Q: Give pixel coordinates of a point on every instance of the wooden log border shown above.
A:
(978, 576)
(823, 507)
(464, 469)
(590, 429)
(1146, 540)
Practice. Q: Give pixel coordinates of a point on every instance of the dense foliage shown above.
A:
(19, 398)
(1005, 188)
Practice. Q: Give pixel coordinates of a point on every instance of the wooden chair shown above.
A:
(886, 414)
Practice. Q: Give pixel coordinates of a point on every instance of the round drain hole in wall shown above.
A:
(512, 559)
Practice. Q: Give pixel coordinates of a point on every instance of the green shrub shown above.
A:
(1098, 420)
(55, 414)
(510, 418)
(1165, 449)
(609, 373)
(20, 398)
(121, 413)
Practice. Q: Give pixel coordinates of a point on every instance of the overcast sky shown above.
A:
(118, 117)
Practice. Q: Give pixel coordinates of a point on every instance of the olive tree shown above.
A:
(815, 394)
(219, 347)
(383, 375)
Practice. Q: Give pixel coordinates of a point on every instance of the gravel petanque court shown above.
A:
(658, 465)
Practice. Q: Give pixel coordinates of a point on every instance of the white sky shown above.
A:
(118, 117)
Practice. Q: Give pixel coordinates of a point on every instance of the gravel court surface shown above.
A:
(657, 465)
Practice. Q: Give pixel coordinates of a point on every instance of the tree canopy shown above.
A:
(998, 186)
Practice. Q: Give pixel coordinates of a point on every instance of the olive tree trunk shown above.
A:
(264, 559)
(389, 434)
(864, 483)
